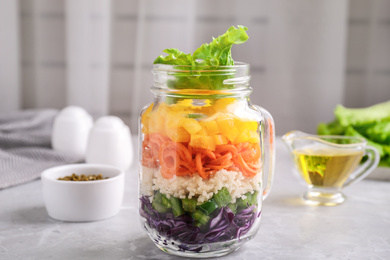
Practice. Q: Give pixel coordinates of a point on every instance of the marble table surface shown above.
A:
(358, 229)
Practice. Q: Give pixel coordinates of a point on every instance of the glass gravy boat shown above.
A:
(329, 163)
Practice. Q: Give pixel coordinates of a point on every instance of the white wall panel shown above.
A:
(305, 61)
(43, 54)
(9, 56)
(88, 54)
(368, 56)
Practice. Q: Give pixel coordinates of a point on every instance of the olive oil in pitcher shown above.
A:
(329, 163)
(324, 167)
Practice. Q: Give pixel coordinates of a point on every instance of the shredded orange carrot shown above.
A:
(185, 155)
(181, 159)
(245, 168)
(182, 171)
(226, 148)
(222, 160)
(169, 160)
(251, 152)
(209, 154)
(148, 158)
(199, 166)
(220, 167)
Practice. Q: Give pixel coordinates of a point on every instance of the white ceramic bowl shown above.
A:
(81, 201)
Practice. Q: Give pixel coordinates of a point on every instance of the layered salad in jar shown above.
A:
(201, 158)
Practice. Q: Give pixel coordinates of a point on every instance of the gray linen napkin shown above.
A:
(25, 146)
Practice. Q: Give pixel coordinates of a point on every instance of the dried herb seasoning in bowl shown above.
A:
(82, 177)
(82, 201)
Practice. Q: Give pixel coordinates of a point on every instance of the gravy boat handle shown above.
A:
(366, 168)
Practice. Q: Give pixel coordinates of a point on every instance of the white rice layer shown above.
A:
(195, 186)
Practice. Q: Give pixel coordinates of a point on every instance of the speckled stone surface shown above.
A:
(358, 229)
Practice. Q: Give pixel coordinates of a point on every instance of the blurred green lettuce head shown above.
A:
(371, 123)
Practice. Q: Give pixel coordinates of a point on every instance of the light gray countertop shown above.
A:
(358, 229)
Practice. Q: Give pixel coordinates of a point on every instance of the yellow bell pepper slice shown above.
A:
(178, 135)
(211, 127)
(254, 137)
(191, 125)
(202, 141)
(226, 125)
(220, 139)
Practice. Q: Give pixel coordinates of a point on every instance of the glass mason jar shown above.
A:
(206, 160)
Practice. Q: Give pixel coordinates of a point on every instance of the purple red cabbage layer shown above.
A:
(224, 226)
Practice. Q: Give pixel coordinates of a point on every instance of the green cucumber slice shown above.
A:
(254, 198)
(208, 207)
(176, 206)
(189, 205)
(251, 199)
(222, 197)
(233, 207)
(201, 217)
(166, 202)
(157, 203)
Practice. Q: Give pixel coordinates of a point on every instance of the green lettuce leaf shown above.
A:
(382, 149)
(363, 116)
(174, 57)
(371, 123)
(332, 128)
(218, 52)
(380, 133)
(208, 57)
(385, 162)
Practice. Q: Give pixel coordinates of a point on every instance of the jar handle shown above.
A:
(268, 150)
(366, 168)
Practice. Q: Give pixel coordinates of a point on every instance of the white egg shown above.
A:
(71, 130)
(110, 143)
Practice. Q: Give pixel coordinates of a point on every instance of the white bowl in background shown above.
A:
(81, 201)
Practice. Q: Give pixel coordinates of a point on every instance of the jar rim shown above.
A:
(189, 68)
(230, 78)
